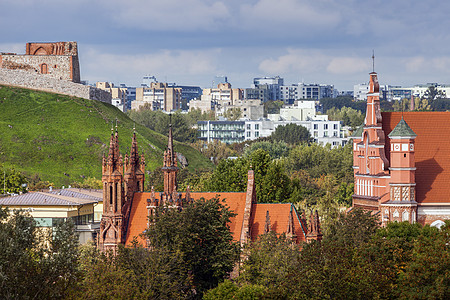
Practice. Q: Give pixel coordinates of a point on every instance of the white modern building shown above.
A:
(290, 93)
(302, 110)
(323, 132)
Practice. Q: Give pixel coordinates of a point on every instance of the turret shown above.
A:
(402, 205)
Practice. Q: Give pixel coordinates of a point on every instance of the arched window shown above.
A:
(44, 69)
(405, 216)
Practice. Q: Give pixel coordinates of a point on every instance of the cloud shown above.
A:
(12, 48)
(169, 15)
(347, 65)
(114, 67)
(268, 14)
(307, 61)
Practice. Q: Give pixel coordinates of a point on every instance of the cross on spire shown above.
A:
(373, 60)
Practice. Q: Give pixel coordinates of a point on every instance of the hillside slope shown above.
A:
(62, 139)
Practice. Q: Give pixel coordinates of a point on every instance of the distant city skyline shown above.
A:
(192, 41)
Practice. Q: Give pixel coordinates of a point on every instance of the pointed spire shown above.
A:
(402, 130)
(267, 224)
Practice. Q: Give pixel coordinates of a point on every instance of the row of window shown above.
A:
(325, 126)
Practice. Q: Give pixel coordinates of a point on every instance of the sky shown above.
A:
(191, 41)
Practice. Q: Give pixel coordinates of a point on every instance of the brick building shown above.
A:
(57, 60)
(401, 163)
(126, 207)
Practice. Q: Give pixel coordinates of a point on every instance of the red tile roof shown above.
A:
(279, 219)
(432, 152)
(138, 215)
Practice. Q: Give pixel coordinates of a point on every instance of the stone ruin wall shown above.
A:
(59, 60)
(62, 67)
(45, 82)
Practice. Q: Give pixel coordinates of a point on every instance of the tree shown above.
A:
(427, 275)
(12, 181)
(432, 93)
(270, 261)
(291, 134)
(274, 149)
(233, 114)
(271, 182)
(36, 263)
(272, 107)
(201, 236)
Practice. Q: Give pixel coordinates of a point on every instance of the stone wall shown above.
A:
(26, 79)
(62, 67)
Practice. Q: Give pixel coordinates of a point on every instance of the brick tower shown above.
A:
(118, 191)
(170, 168)
(402, 205)
(370, 163)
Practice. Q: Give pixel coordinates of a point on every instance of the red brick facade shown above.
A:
(126, 208)
(401, 164)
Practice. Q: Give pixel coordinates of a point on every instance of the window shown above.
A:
(249, 126)
(325, 126)
(256, 126)
(335, 126)
(316, 126)
(325, 133)
(257, 134)
(248, 134)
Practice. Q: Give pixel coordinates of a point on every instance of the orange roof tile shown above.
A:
(138, 216)
(279, 219)
(432, 152)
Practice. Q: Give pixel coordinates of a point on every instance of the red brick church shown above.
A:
(402, 163)
(126, 207)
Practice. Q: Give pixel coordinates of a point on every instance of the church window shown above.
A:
(413, 217)
(115, 196)
(412, 194)
(405, 216)
(395, 214)
(110, 195)
(396, 193)
(405, 193)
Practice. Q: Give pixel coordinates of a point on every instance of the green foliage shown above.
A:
(349, 116)
(12, 181)
(291, 134)
(274, 149)
(36, 264)
(272, 107)
(432, 93)
(159, 122)
(214, 150)
(427, 274)
(233, 114)
(271, 182)
(343, 101)
(89, 183)
(62, 139)
(318, 160)
(230, 290)
(270, 261)
(200, 235)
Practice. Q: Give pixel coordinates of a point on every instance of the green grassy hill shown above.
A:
(62, 139)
